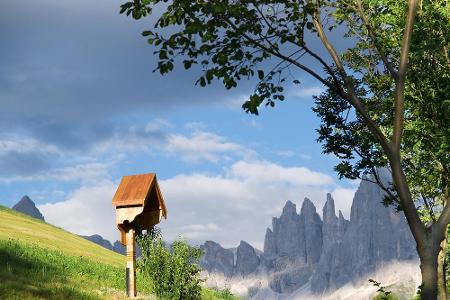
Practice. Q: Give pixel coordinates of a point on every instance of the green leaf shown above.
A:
(261, 74)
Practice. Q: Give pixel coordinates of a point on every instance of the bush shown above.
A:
(173, 272)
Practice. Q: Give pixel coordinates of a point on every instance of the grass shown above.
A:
(29, 271)
(208, 294)
(41, 261)
(33, 231)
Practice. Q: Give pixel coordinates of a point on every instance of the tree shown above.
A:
(374, 113)
(173, 272)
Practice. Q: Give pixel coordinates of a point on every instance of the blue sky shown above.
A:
(80, 107)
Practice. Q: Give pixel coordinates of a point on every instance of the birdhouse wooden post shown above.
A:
(139, 206)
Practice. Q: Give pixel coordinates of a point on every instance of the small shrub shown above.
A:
(383, 294)
(218, 294)
(173, 272)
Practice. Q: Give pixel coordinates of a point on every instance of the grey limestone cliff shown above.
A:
(327, 253)
(246, 259)
(374, 235)
(293, 247)
(217, 259)
(27, 206)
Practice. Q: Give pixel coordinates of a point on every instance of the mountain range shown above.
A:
(306, 256)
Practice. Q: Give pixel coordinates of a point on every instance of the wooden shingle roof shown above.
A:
(140, 190)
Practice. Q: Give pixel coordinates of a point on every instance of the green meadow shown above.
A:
(41, 261)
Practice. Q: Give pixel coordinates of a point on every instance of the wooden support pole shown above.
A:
(131, 264)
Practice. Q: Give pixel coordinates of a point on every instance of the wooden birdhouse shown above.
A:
(139, 206)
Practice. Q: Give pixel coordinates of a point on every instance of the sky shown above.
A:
(80, 107)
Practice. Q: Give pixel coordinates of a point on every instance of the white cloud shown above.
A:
(86, 211)
(195, 126)
(235, 103)
(27, 145)
(235, 205)
(158, 124)
(89, 172)
(198, 146)
(267, 172)
(240, 203)
(305, 156)
(306, 92)
(85, 172)
(204, 146)
(285, 153)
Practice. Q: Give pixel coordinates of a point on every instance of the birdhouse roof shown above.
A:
(139, 190)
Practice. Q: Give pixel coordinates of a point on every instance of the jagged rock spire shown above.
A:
(27, 206)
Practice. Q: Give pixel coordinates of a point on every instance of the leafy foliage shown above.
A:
(234, 40)
(218, 294)
(384, 294)
(425, 146)
(173, 272)
(230, 40)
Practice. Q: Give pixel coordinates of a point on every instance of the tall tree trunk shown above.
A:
(430, 263)
(428, 268)
(442, 284)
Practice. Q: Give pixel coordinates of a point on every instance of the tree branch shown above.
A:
(302, 46)
(401, 78)
(351, 95)
(371, 32)
(281, 56)
(430, 208)
(444, 218)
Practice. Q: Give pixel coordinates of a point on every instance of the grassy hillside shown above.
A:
(30, 230)
(41, 261)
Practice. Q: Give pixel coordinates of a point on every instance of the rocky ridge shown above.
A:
(303, 251)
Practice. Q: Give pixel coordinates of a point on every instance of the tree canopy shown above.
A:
(386, 100)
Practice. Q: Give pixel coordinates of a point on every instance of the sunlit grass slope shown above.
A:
(41, 261)
(20, 227)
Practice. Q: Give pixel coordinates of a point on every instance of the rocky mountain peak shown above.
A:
(329, 213)
(269, 245)
(217, 259)
(27, 206)
(307, 207)
(99, 240)
(312, 227)
(246, 259)
(289, 209)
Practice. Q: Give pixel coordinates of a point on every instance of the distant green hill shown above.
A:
(41, 261)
